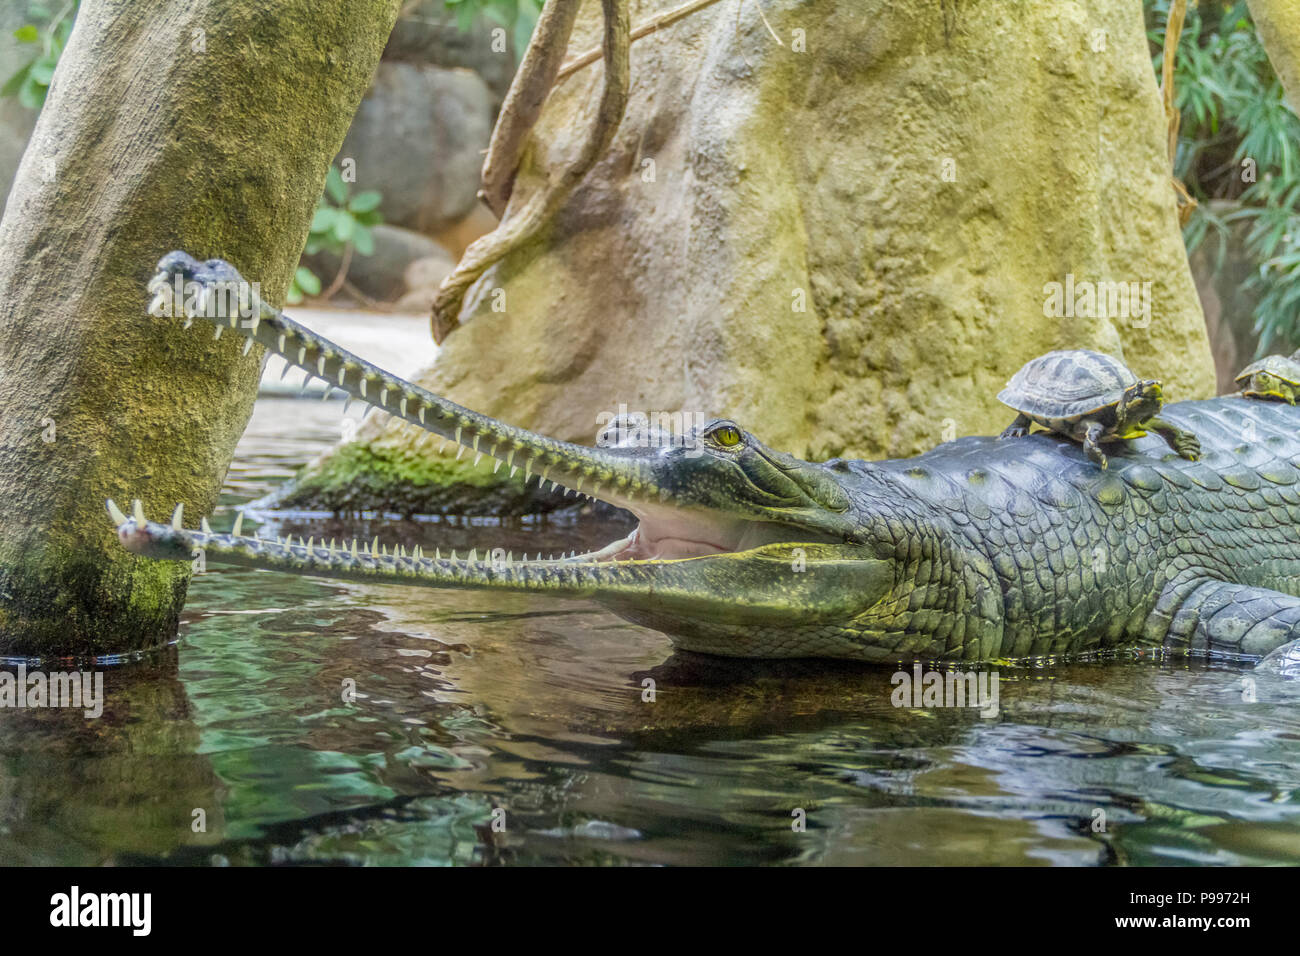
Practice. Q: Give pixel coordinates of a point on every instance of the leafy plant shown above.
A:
(1237, 154)
(49, 30)
(517, 16)
(341, 225)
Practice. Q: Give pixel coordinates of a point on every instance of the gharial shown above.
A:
(977, 550)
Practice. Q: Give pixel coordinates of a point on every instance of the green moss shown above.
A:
(381, 477)
(84, 607)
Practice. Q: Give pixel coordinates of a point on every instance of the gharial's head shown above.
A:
(739, 549)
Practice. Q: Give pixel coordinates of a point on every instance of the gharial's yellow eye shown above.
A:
(727, 436)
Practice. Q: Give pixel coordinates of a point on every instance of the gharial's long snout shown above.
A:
(728, 528)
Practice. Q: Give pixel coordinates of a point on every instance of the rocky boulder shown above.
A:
(428, 33)
(418, 137)
(847, 241)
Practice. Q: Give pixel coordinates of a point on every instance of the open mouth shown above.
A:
(667, 531)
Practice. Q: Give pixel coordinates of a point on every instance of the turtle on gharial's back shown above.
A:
(1273, 376)
(1090, 397)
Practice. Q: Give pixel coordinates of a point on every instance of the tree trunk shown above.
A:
(843, 240)
(204, 125)
(1278, 25)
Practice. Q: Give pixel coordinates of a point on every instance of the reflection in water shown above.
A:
(321, 721)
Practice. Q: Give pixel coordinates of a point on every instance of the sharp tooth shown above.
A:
(285, 370)
(217, 333)
(437, 554)
(363, 386)
(354, 548)
(476, 440)
(383, 396)
(176, 516)
(137, 512)
(279, 345)
(477, 459)
(510, 459)
(453, 554)
(497, 466)
(239, 524)
(301, 542)
(347, 403)
(302, 354)
(403, 406)
(329, 390)
(320, 365)
(513, 471)
(473, 555)
(460, 450)
(458, 431)
(234, 318)
(581, 479)
(343, 373)
(528, 470)
(248, 346)
(374, 547)
(204, 526)
(330, 547)
(421, 414)
(115, 512)
(510, 558)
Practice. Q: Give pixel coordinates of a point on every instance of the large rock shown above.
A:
(427, 32)
(419, 138)
(845, 241)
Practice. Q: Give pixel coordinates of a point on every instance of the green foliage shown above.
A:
(47, 29)
(1237, 153)
(517, 16)
(341, 220)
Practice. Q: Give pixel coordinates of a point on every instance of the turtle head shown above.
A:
(1266, 384)
(1142, 400)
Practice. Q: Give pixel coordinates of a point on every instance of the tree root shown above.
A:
(523, 104)
(1174, 30)
(538, 210)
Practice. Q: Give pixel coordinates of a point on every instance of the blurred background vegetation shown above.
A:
(1237, 156)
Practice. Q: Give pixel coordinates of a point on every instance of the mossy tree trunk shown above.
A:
(1278, 24)
(206, 125)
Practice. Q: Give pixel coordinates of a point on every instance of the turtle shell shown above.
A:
(1067, 384)
(1287, 369)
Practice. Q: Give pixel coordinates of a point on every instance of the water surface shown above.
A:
(485, 729)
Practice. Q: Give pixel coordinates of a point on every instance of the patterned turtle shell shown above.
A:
(1068, 384)
(1280, 366)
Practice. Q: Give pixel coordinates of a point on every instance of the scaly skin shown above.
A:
(978, 550)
